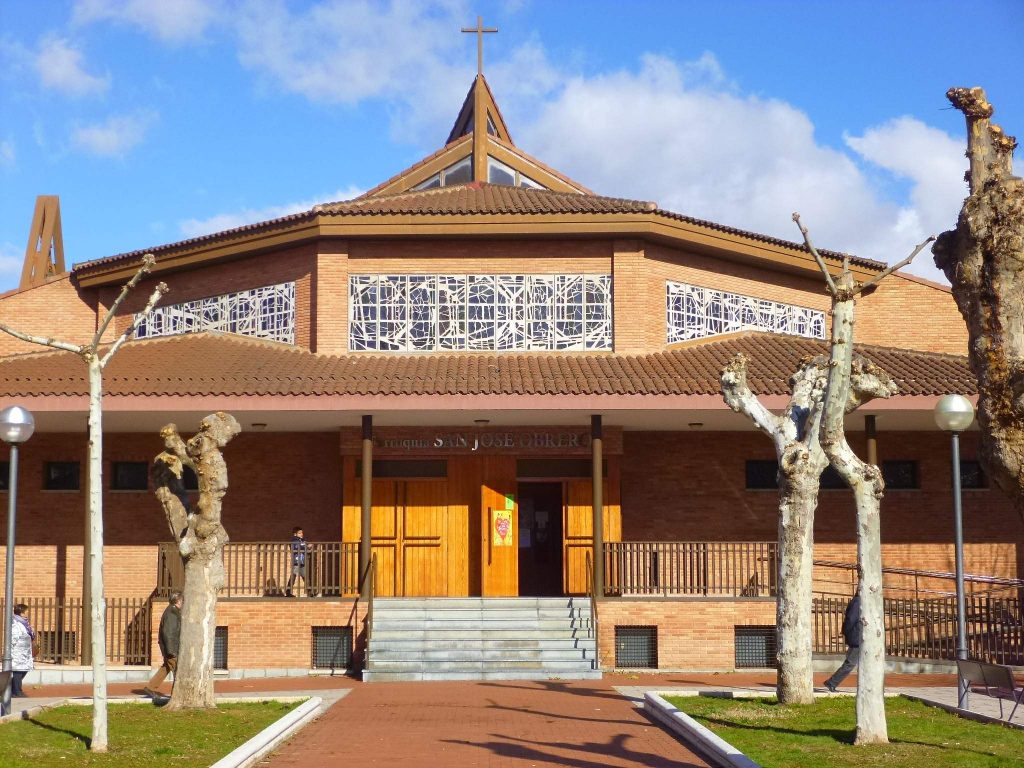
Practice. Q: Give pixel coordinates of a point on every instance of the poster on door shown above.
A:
(503, 528)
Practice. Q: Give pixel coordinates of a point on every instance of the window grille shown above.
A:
(694, 313)
(755, 646)
(220, 648)
(265, 313)
(332, 647)
(899, 474)
(428, 313)
(61, 476)
(972, 476)
(636, 647)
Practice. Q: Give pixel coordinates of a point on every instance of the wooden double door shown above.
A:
(460, 534)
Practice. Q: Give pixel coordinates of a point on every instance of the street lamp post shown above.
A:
(954, 414)
(16, 426)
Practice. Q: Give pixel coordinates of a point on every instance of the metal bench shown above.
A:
(996, 679)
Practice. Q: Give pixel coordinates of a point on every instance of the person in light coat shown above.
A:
(22, 641)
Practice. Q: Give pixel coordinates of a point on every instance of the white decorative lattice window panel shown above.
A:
(694, 313)
(266, 313)
(424, 313)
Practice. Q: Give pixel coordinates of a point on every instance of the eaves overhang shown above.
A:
(314, 225)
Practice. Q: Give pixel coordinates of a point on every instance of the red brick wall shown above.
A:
(692, 634)
(277, 633)
(690, 487)
(911, 314)
(277, 481)
(56, 308)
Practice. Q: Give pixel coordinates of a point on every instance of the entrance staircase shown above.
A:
(475, 638)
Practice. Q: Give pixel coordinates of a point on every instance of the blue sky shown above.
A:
(156, 120)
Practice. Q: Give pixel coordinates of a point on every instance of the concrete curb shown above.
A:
(689, 730)
(264, 741)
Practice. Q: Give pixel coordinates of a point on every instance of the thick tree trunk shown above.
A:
(798, 501)
(98, 603)
(201, 538)
(983, 259)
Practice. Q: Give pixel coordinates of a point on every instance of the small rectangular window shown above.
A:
(130, 476)
(220, 648)
(5, 475)
(972, 476)
(61, 476)
(899, 474)
(332, 647)
(762, 474)
(636, 647)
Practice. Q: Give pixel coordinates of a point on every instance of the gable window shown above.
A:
(61, 476)
(500, 173)
(427, 313)
(458, 172)
(129, 476)
(265, 313)
(694, 312)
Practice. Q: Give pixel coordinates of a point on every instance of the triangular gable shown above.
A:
(480, 98)
(44, 254)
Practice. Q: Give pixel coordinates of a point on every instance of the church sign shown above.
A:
(518, 441)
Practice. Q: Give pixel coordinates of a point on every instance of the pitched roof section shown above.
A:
(463, 201)
(210, 364)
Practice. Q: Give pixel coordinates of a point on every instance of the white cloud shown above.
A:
(173, 21)
(347, 51)
(115, 137)
(60, 67)
(7, 154)
(223, 221)
(679, 134)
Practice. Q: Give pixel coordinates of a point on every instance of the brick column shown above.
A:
(330, 298)
(636, 322)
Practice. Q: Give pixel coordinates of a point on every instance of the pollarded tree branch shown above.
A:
(814, 252)
(42, 340)
(157, 294)
(740, 398)
(147, 265)
(889, 270)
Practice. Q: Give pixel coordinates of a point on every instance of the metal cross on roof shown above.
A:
(480, 30)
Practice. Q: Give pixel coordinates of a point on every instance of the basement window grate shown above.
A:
(756, 646)
(220, 648)
(332, 647)
(636, 647)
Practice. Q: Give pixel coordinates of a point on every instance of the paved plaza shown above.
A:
(584, 724)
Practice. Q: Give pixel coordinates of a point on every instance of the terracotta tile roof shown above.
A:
(210, 364)
(475, 198)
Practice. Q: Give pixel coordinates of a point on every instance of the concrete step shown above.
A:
(490, 664)
(480, 655)
(481, 602)
(376, 676)
(528, 643)
(444, 612)
(488, 633)
(477, 624)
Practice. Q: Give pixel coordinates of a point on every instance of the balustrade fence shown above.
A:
(263, 568)
(926, 629)
(59, 629)
(691, 568)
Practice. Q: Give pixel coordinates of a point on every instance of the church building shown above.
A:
(479, 388)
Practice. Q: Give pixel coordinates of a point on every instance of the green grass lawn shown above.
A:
(139, 735)
(822, 735)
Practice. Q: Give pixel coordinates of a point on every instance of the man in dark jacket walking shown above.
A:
(170, 635)
(852, 634)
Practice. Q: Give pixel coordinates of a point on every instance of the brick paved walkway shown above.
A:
(583, 724)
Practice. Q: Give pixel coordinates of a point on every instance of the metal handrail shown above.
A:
(591, 592)
(999, 580)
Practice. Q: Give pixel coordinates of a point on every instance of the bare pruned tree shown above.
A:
(864, 479)
(97, 358)
(201, 538)
(796, 436)
(983, 259)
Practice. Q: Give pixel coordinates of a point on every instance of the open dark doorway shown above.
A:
(540, 539)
